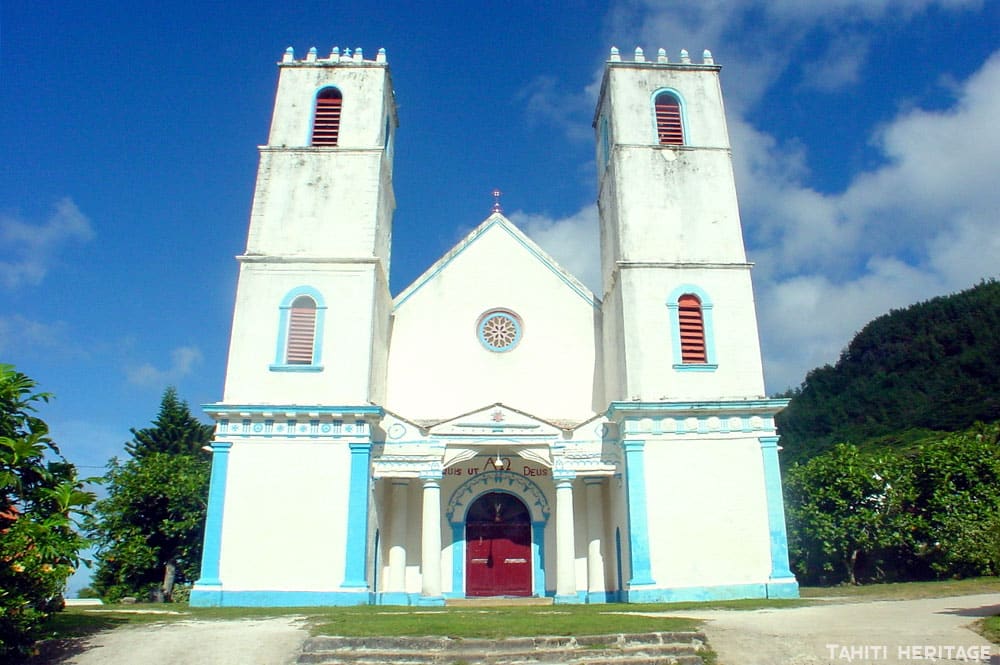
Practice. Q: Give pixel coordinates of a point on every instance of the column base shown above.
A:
(783, 588)
(430, 601)
(206, 595)
(393, 598)
(578, 598)
(600, 597)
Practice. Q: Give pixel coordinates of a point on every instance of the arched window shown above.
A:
(301, 331)
(692, 329)
(326, 122)
(669, 126)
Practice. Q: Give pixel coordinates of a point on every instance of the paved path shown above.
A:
(843, 633)
(838, 633)
(249, 642)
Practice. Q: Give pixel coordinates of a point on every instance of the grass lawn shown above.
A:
(497, 622)
(906, 590)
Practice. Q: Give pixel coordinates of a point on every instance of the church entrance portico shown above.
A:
(498, 546)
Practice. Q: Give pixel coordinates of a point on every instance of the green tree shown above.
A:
(40, 498)
(175, 431)
(953, 495)
(149, 528)
(841, 510)
(931, 367)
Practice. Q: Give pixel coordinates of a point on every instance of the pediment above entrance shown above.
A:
(496, 421)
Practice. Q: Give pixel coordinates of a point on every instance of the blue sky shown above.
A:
(864, 133)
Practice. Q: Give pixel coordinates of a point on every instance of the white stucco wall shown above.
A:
(707, 512)
(648, 344)
(284, 527)
(346, 337)
(437, 366)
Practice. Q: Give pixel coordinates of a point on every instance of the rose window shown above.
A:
(499, 330)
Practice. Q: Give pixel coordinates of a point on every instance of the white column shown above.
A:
(595, 535)
(397, 536)
(565, 546)
(430, 551)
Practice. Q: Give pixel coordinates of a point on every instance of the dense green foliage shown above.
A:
(930, 511)
(149, 528)
(40, 496)
(175, 431)
(932, 366)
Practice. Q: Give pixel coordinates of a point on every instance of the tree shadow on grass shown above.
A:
(67, 634)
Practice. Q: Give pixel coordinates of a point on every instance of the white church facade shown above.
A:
(495, 429)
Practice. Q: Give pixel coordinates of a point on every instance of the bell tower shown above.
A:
(313, 305)
(679, 320)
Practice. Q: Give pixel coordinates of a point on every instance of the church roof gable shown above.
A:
(497, 221)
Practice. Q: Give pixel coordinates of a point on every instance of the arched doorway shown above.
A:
(498, 546)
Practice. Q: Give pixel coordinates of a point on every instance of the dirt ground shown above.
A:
(833, 633)
(842, 633)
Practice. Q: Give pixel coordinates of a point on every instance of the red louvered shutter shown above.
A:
(301, 332)
(668, 120)
(692, 330)
(326, 124)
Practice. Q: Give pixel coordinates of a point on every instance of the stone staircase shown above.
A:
(658, 648)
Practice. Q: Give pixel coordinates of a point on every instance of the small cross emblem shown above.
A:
(497, 416)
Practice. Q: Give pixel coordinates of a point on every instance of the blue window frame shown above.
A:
(691, 329)
(301, 318)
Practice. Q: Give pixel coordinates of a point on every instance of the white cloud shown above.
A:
(183, 361)
(21, 336)
(922, 224)
(572, 241)
(30, 248)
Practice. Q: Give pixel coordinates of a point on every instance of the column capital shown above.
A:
(634, 445)
(768, 441)
(359, 447)
(221, 447)
(564, 482)
(591, 481)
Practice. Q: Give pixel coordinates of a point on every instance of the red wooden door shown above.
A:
(498, 547)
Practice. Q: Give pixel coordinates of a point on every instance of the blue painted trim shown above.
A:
(577, 288)
(578, 598)
(538, 556)
(680, 102)
(295, 368)
(506, 315)
(359, 409)
(775, 509)
(356, 549)
(695, 368)
(711, 363)
(783, 589)
(264, 598)
(430, 601)
(760, 407)
(283, 313)
(696, 593)
(211, 551)
(394, 598)
(601, 597)
(638, 521)
(458, 558)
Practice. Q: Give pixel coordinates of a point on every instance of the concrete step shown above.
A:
(498, 601)
(657, 648)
